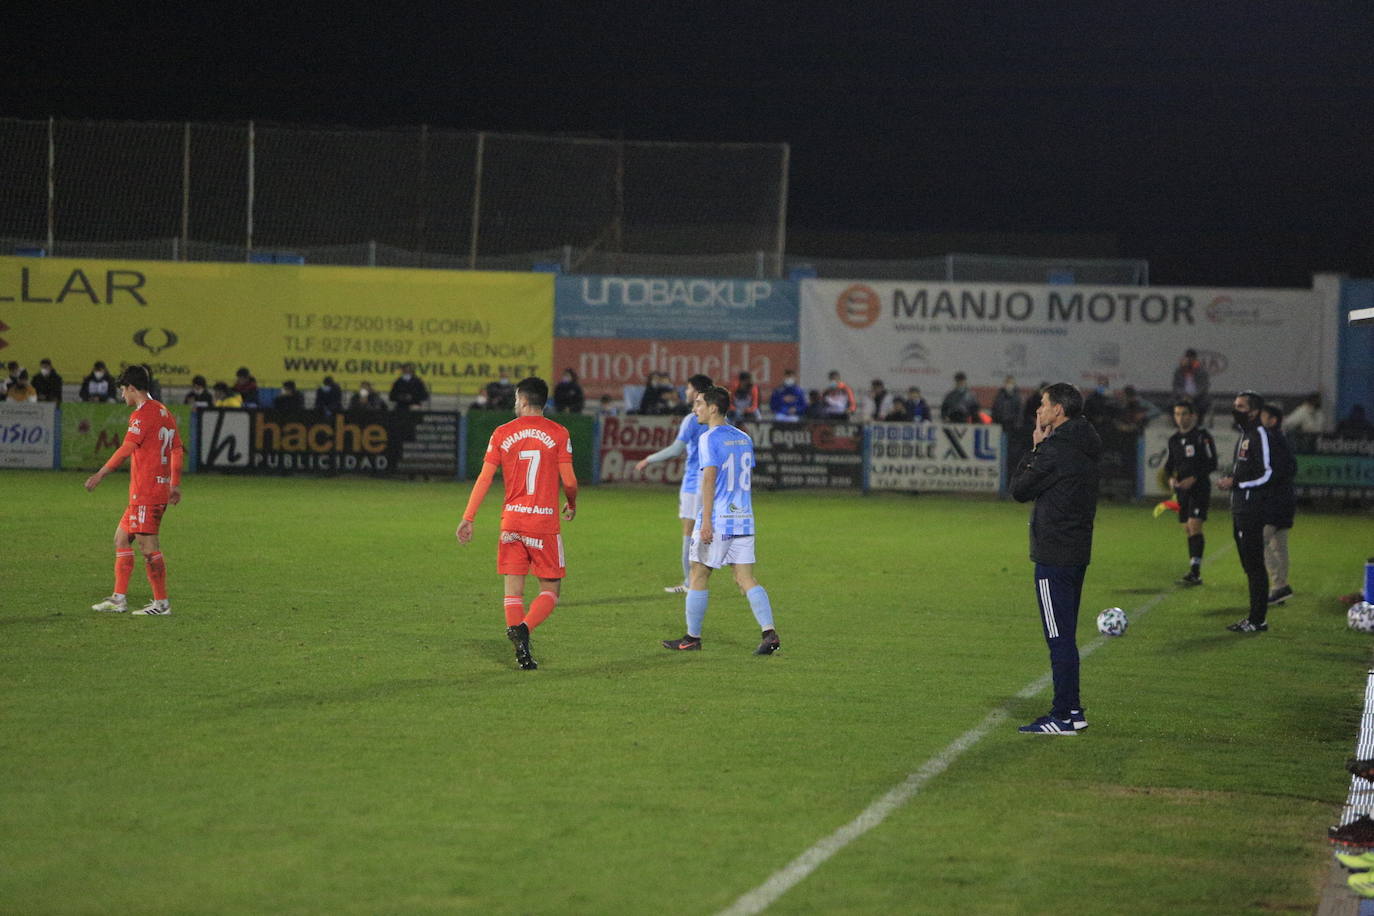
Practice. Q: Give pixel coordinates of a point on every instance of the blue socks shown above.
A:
(696, 610)
(761, 606)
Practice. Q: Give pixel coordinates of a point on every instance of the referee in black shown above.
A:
(1192, 457)
(1060, 473)
(1251, 483)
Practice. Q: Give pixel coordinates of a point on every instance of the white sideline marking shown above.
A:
(796, 871)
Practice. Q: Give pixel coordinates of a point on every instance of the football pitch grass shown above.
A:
(332, 721)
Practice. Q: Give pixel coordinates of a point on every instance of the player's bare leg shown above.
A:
(156, 568)
(761, 606)
(118, 602)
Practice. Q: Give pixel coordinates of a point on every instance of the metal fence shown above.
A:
(421, 197)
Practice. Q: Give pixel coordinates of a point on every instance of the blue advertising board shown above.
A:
(676, 308)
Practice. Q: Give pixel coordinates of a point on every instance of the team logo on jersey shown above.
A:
(1189, 451)
(155, 340)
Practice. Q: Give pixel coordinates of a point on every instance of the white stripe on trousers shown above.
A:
(1047, 609)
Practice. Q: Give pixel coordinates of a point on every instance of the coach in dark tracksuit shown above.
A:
(1251, 483)
(1060, 473)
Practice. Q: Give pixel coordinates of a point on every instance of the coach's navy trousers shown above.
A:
(1058, 590)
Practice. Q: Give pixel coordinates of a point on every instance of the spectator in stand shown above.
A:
(898, 411)
(959, 405)
(289, 398)
(329, 397)
(567, 394)
(833, 393)
(606, 407)
(788, 401)
(19, 388)
(48, 383)
(650, 402)
(916, 405)
(1006, 406)
(366, 398)
(1130, 415)
(1192, 382)
(98, 385)
(199, 396)
(13, 376)
(1307, 417)
(246, 387)
(746, 398)
(878, 402)
(672, 405)
(408, 390)
(224, 396)
(1355, 426)
(501, 393)
(1098, 406)
(816, 406)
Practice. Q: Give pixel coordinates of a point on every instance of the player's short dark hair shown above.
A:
(1274, 411)
(1253, 398)
(715, 394)
(1066, 396)
(700, 382)
(1187, 404)
(135, 377)
(199, 380)
(535, 390)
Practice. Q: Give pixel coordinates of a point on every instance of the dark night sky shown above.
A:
(1227, 142)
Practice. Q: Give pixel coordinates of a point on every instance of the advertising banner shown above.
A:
(303, 442)
(625, 440)
(606, 366)
(1332, 466)
(677, 308)
(459, 328)
(92, 432)
(922, 333)
(28, 434)
(817, 453)
(1157, 434)
(935, 457)
(580, 426)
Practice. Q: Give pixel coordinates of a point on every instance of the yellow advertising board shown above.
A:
(461, 329)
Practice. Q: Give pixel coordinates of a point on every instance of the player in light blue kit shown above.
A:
(724, 531)
(688, 497)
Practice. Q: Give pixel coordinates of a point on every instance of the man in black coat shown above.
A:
(408, 390)
(1060, 473)
(1251, 483)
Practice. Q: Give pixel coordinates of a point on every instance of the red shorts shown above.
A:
(519, 553)
(142, 519)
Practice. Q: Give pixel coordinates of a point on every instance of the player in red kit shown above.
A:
(534, 455)
(154, 484)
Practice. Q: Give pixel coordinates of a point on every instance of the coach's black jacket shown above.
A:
(1253, 471)
(1060, 474)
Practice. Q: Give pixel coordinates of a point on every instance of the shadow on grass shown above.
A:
(19, 621)
(497, 659)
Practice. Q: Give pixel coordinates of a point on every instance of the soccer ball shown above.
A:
(1112, 622)
(1361, 617)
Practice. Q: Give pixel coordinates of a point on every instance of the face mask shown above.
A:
(406, 376)
(99, 373)
(789, 381)
(504, 380)
(46, 372)
(364, 393)
(1240, 416)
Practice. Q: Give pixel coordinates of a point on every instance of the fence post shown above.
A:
(252, 146)
(782, 206)
(476, 198)
(371, 252)
(52, 182)
(185, 194)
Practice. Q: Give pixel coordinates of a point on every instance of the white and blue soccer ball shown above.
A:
(1360, 617)
(1112, 622)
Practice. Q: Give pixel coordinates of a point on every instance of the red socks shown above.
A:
(124, 568)
(157, 574)
(540, 609)
(515, 610)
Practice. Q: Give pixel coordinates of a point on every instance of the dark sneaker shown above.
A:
(519, 635)
(770, 643)
(1359, 832)
(1361, 768)
(1079, 720)
(685, 644)
(1193, 577)
(1049, 725)
(1245, 626)
(1280, 595)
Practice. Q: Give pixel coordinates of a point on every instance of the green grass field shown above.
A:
(332, 721)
